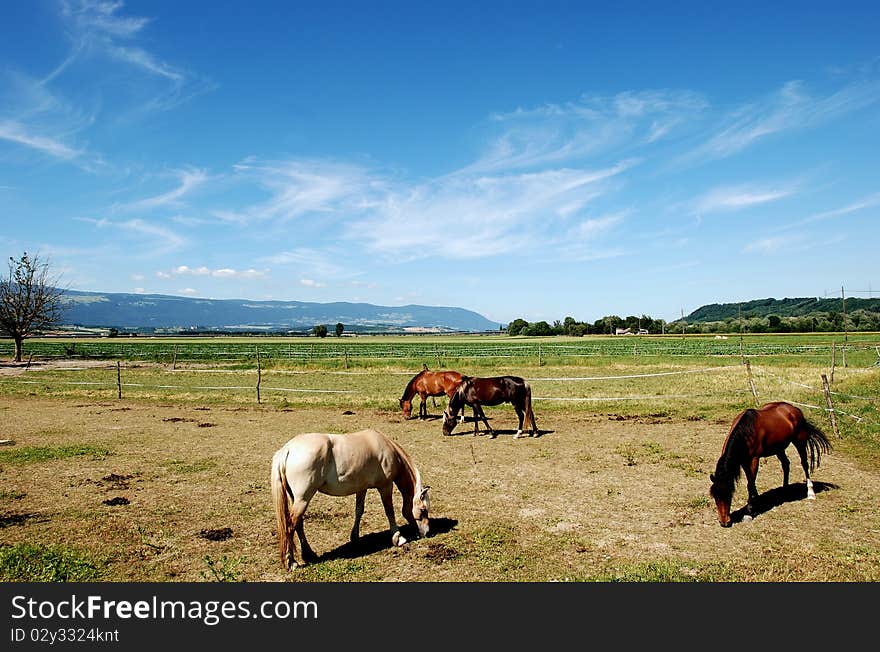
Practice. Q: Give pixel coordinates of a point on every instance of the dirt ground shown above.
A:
(182, 494)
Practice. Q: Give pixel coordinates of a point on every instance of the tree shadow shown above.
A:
(779, 496)
(376, 541)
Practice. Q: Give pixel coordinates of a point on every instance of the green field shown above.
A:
(614, 490)
(442, 350)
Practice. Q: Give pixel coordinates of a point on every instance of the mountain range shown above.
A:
(159, 312)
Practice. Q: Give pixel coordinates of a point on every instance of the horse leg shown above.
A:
(308, 554)
(397, 539)
(423, 407)
(477, 410)
(783, 459)
(486, 421)
(296, 520)
(751, 469)
(360, 499)
(521, 416)
(802, 452)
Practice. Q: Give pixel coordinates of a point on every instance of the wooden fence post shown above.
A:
(833, 360)
(346, 358)
(174, 359)
(830, 405)
(30, 357)
(118, 379)
(259, 375)
(752, 382)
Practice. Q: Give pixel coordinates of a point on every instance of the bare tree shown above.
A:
(30, 299)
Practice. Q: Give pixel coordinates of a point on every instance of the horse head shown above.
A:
(420, 505)
(722, 492)
(449, 420)
(456, 403)
(406, 406)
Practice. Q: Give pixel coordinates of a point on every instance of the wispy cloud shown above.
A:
(188, 180)
(557, 133)
(868, 202)
(731, 198)
(790, 108)
(19, 134)
(161, 239)
(100, 26)
(461, 216)
(320, 263)
(301, 187)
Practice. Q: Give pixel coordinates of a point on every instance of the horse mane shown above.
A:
(409, 466)
(729, 467)
(409, 390)
(457, 402)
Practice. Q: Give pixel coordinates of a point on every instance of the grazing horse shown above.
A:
(478, 392)
(761, 433)
(341, 465)
(428, 383)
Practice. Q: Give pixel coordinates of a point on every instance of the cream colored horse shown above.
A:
(341, 465)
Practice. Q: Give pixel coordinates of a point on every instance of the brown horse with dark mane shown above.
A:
(477, 392)
(758, 433)
(428, 383)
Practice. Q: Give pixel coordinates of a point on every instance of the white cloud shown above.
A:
(188, 291)
(310, 283)
(731, 198)
(223, 272)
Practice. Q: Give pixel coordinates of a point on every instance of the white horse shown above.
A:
(341, 465)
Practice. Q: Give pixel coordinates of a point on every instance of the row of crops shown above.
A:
(316, 350)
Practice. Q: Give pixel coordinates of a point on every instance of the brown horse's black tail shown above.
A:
(817, 442)
(530, 416)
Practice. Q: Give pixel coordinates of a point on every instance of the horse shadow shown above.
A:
(779, 496)
(495, 432)
(373, 542)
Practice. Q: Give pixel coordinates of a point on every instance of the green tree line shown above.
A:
(826, 322)
(570, 326)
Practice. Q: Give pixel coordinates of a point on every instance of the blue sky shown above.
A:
(535, 160)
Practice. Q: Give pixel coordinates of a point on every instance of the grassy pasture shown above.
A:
(145, 487)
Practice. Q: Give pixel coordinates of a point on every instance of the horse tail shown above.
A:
(530, 416)
(280, 492)
(817, 442)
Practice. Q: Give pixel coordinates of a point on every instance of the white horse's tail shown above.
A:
(278, 483)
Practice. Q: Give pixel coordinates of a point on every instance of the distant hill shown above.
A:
(801, 307)
(159, 312)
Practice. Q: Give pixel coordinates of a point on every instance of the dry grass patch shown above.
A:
(594, 499)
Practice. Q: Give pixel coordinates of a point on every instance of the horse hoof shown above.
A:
(398, 539)
(811, 496)
(746, 518)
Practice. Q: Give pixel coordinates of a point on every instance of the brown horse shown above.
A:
(761, 433)
(477, 392)
(428, 383)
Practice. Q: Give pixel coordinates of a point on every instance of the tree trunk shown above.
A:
(19, 342)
